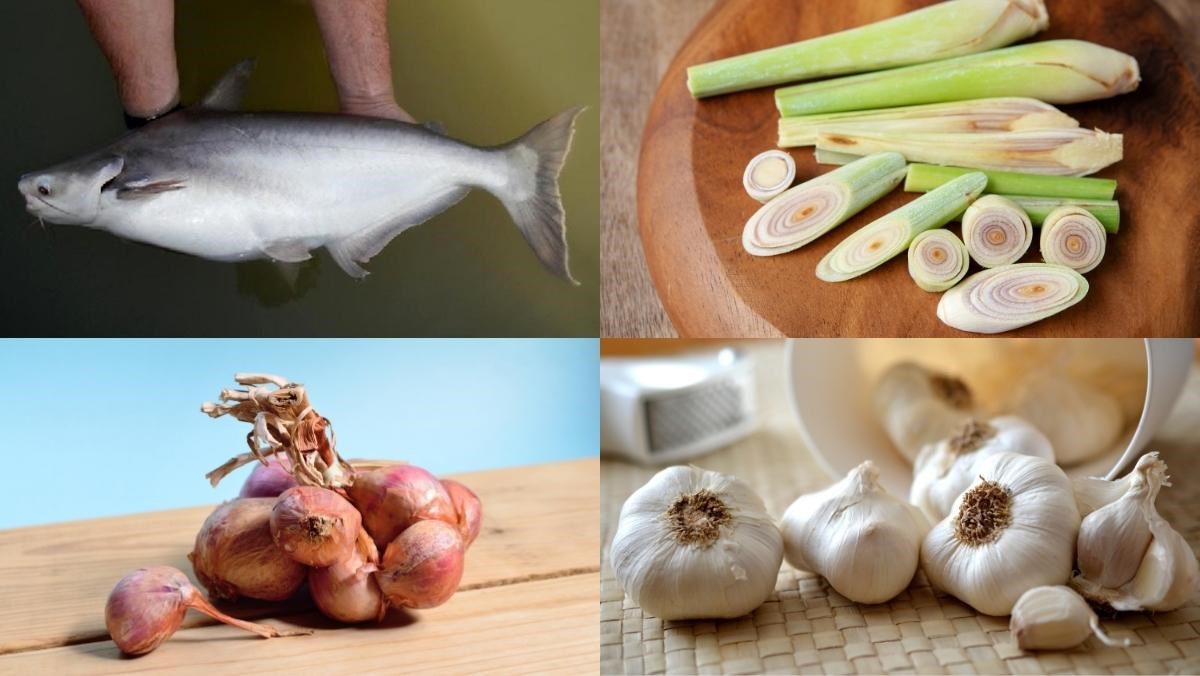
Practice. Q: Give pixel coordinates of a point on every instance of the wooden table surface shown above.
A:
(638, 40)
(527, 602)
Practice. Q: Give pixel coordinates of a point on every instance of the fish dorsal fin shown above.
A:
(227, 93)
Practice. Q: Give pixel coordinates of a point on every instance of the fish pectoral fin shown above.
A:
(343, 254)
(228, 92)
(145, 188)
(287, 251)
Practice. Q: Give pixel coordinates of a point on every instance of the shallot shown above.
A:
(391, 499)
(147, 607)
(314, 525)
(346, 591)
(468, 507)
(269, 479)
(423, 566)
(236, 556)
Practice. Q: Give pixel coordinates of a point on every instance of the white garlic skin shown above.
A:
(940, 474)
(913, 409)
(1081, 422)
(863, 540)
(1112, 542)
(673, 580)
(1167, 576)
(1036, 549)
(1054, 618)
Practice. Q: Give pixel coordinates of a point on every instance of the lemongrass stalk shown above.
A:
(1072, 237)
(768, 174)
(996, 231)
(937, 260)
(1054, 71)
(1038, 209)
(999, 114)
(1061, 152)
(944, 30)
(815, 207)
(1009, 297)
(926, 177)
(834, 157)
(876, 243)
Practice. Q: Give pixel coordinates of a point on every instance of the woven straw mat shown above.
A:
(806, 627)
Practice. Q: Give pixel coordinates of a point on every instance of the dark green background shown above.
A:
(488, 69)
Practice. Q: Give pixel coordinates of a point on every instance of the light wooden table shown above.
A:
(638, 39)
(527, 603)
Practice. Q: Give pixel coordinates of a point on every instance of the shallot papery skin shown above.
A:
(468, 507)
(236, 556)
(346, 591)
(391, 499)
(314, 525)
(423, 566)
(147, 607)
(269, 480)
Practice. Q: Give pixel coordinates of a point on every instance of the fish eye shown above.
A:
(43, 190)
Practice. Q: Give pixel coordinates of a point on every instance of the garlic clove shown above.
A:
(1081, 422)
(918, 406)
(1112, 542)
(857, 536)
(1055, 618)
(694, 544)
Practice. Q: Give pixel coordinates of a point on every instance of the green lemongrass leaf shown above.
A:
(811, 209)
(938, 32)
(937, 260)
(1054, 71)
(1009, 297)
(1072, 237)
(876, 243)
(1063, 152)
(926, 177)
(996, 231)
(999, 114)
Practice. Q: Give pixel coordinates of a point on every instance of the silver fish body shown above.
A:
(233, 186)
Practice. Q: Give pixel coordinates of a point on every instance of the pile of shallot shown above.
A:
(362, 539)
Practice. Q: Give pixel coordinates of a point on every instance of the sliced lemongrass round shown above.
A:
(1009, 297)
(769, 174)
(1073, 237)
(815, 207)
(878, 242)
(996, 231)
(937, 260)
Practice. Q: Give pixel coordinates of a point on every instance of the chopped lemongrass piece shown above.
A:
(834, 157)
(876, 243)
(944, 30)
(926, 177)
(769, 174)
(1063, 152)
(1009, 297)
(1073, 238)
(1001, 114)
(996, 231)
(1038, 209)
(815, 207)
(937, 260)
(1054, 71)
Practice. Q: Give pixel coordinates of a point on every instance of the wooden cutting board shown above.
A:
(528, 599)
(691, 202)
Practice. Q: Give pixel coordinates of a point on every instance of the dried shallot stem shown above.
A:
(283, 421)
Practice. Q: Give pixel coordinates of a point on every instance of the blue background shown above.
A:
(101, 427)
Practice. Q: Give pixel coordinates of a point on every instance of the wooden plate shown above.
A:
(691, 206)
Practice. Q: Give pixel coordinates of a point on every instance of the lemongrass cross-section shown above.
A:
(996, 231)
(1009, 297)
(937, 260)
(768, 174)
(1074, 238)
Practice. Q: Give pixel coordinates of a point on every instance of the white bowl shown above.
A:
(830, 387)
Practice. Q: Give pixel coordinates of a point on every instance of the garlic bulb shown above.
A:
(1129, 556)
(865, 541)
(1012, 530)
(944, 470)
(1081, 422)
(1055, 618)
(918, 406)
(696, 544)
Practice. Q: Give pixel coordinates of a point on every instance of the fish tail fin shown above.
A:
(532, 197)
